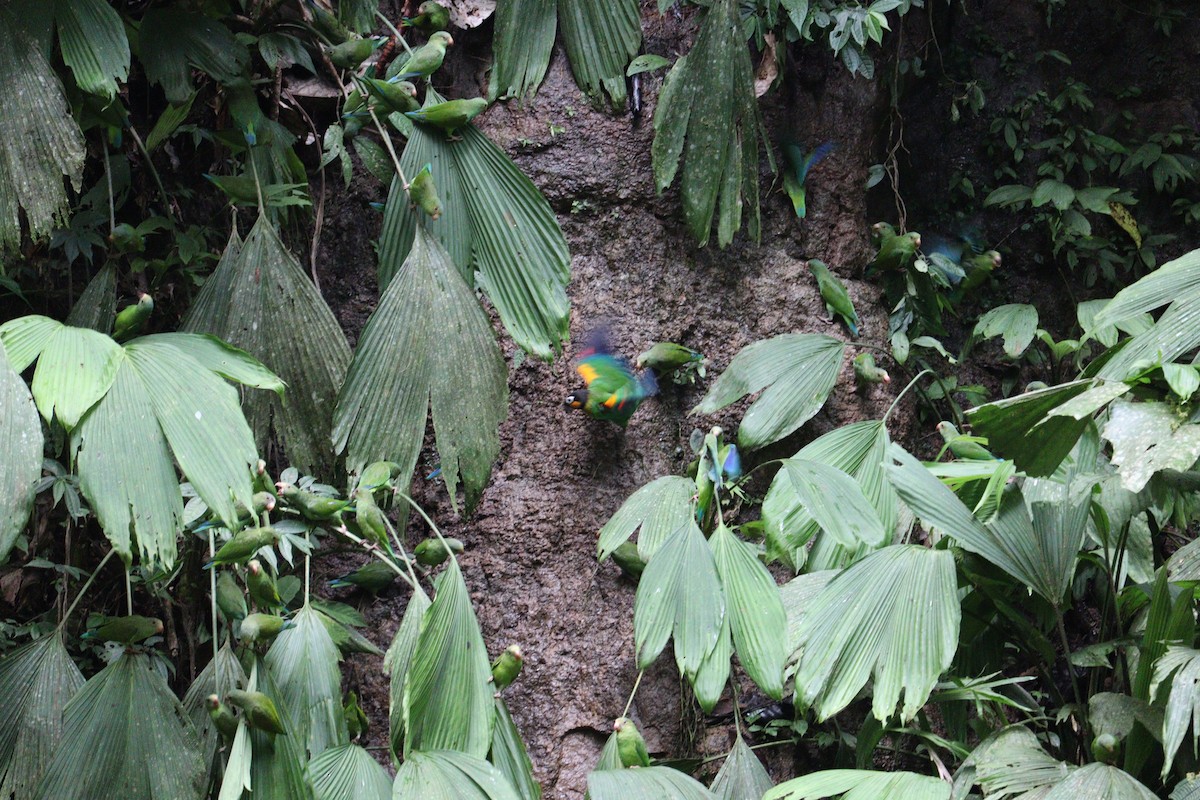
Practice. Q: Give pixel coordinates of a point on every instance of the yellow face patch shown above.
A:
(588, 372)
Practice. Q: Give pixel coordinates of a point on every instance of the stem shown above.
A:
(387, 141)
(212, 585)
(904, 391)
(371, 548)
(112, 211)
(307, 567)
(633, 693)
(262, 207)
(86, 585)
(154, 174)
(128, 594)
(399, 38)
(1062, 635)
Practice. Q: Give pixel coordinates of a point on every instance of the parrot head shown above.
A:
(577, 399)
(214, 701)
(254, 567)
(446, 39)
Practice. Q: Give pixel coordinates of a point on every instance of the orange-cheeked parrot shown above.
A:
(613, 392)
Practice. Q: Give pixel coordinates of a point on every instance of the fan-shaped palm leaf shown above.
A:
(861, 784)
(509, 755)
(94, 45)
(303, 661)
(20, 455)
(398, 659)
(348, 773)
(449, 775)
(742, 776)
(661, 783)
(659, 508)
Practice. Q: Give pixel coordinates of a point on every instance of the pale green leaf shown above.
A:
(348, 773)
(1052, 191)
(448, 691)
(37, 681)
(40, 142)
(20, 455)
(168, 122)
(862, 626)
(798, 371)
(647, 62)
(125, 735)
(521, 46)
(797, 596)
(1177, 280)
(1175, 334)
(219, 675)
(222, 358)
(660, 783)
(679, 595)
(509, 755)
(398, 659)
(837, 504)
(713, 675)
(742, 776)
(1010, 763)
(1009, 195)
(96, 308)
(1180, 665)
(1183, 379)
(1148, 438)
(755, 611)
(24, 338)
(92, 38)
(1016, 322)
(1099, 782)
(277, 764)
(659, 508)
(1187, 789)
(450, 775)
(600, 38)
(428, 343)
(855, 784)
(304, 663)
(75, 369)
(1115, 713)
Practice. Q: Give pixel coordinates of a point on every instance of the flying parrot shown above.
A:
(963, 446)
(422, 191)
(626, 557)
(244, 545)
(430, 16)
(798, 166)
(356, 720)
(261, 584)
(351, 54)
(314, 507)
(433, 552)
(230, 600)
(374, 577)
(126, 630)
(424, 61)
(450, 115)
(507, 667)
(222, 718)
(833, 292)
(260, 627)
(392, 96)
(896, 252)
(683, 364)
(866, 373)
(257, 709)
(132, 318)
(613, 392)
(977, 269)
(631, 747)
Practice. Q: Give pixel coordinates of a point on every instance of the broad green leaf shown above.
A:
(610, 756)
(1016, 322)
(755, 611)
(600, 39)
(660, 783)
(224, 359)
(1088, 312)
(1177, 280)
(277, 765)
(348, 773)
(76, 367)
(1052, 191)
(449, 775)
(168, 122)
(219, 675)
(647, 62)
(1180, 665)
(1183, 379)
(1115, 713)
(92, 38)
(428, 343)
(125, 734)
(1099, 782)
(862, 626)
(679, 595)
(659, 508)
(856, 784)
(797, 596)
(713, 675)
(1148, 438)
(719, 147)
(173, 41)
(40, 142)
(1187, 789)
(20, 456)
(1175, 334)
(837, 503)
(1009, 195)
(398, 659)
(742, 776)
(509, 756)
(304, 663)
(37, 681)
(24, 338)
(798, 371)
(1010, 763)
(448, 691)
(96, 308)
(259, 299)
(521, 46)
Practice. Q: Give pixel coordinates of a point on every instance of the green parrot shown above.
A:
(896, 252)
(424, 61)
(374, 577)
(257, 709)
(369, 518)
(243, 545)
(978, 268)
(963, 446)
(631, 747)
(379, 475)
(880, 232)
(126, 630)
(626, 557)
(507, 667)
(798, 166)
(432, 552)
(719, 465)
(422, 191)
(866, 373)
(1106, 748)
(261, 584)
(259, 627)
(222, 718)
(833, 292)
(327, 23)
(393, 96)
(430, 17)
(683, 364)
(261, 502)
(262, 479)
(351, 54)
(613, 392)
(132, 318)
(356, 720)
(230, 600)
(314, 507)
(450, 115)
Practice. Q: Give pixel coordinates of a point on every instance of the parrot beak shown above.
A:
(575, 400)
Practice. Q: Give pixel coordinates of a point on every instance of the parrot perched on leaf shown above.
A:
(833, 292)
(631, 747)
(244, 545)
(132, 318)
(450, 115)
(260, 627)
(351, 54)
(963, 446)
(379, 475)
(356, 719)
(626, 557)
(683, 364)
(422, 191)
(262, 479)
(230, 600)
(433, 552)
(222, 718)
(262, 586)
(613, 392)
(507, 667)
(866, 373)
(314, 507)
(797, 172)
(896, 251)
(374, 577)
(390, 96)
(424, 61)
(126, 630)
(257, 709)
(368, 516)
(430, 17)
